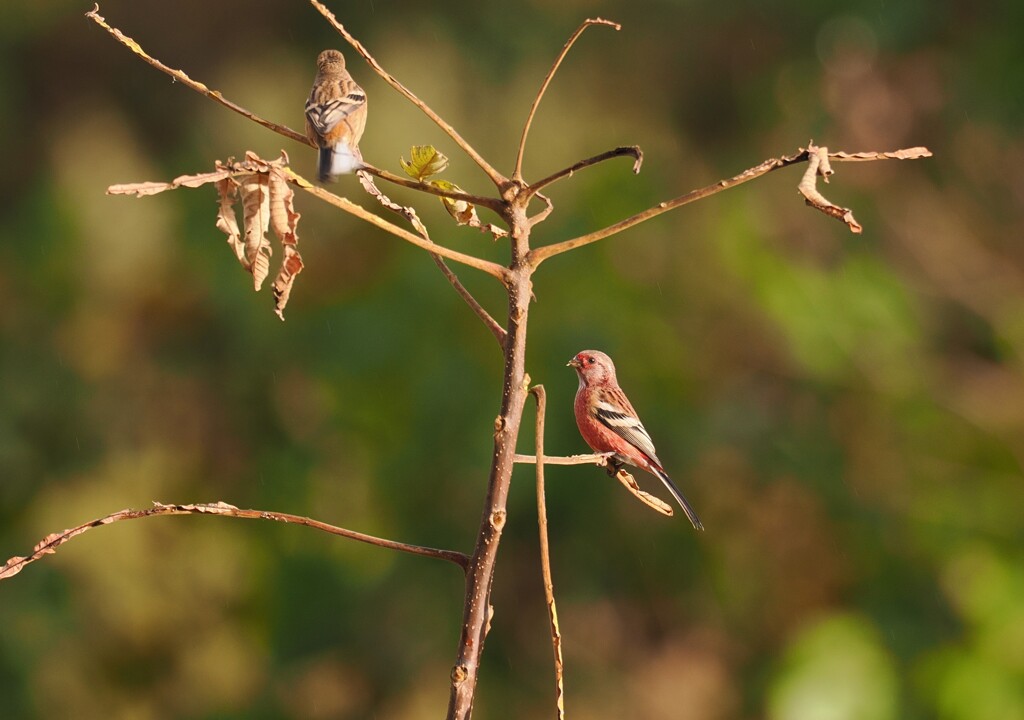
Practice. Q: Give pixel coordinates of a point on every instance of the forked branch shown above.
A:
(539, 255)
(518, 174)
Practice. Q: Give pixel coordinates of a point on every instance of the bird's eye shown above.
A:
(591, 360)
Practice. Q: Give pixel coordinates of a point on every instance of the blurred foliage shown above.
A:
(846, 413)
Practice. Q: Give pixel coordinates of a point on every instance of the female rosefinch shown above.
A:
(610, 424)
(335, 116)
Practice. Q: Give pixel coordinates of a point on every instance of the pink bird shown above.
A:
(609, 423)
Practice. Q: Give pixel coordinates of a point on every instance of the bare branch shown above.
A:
(497, 178)
(518, 174)
(541, 254)
(350, 207)
(49, 544)
(545, 556)
(497, 330)
(600, 459)
(489, 203)
(410, 214)
(199, 87)
(633, 151)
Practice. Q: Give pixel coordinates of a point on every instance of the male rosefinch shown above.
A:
(610, 424)
(335, 116)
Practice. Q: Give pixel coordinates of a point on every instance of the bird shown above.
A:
(335, 117)
(608, 423)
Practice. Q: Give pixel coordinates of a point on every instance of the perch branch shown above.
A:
(185, 80)
(541, 254)
(497, 178)
(633, 151)
(518, 174)
(600, 459)
(362, 213)
(49, 544)
(545, 556)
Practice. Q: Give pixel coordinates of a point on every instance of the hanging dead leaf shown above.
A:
(267, 204)
(366, 180)
(284, 221)
(255, 191)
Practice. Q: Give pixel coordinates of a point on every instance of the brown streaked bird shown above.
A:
(608, 423)
(335, 117)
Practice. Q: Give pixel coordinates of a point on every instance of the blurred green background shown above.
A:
(845, 412)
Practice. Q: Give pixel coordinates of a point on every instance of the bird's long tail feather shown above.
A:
(677, 493)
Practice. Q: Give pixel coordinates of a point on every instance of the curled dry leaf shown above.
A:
(255, 191)
(267, 204)
(629, 482)
(366, 180)
(284, 221)
(818, 165)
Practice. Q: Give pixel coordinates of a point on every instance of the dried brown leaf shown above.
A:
(407, 212)
(818, 165)
(913, 153)
(284, 221)
(629, 482)
(255, 191)
(153, 188)
(227, 220)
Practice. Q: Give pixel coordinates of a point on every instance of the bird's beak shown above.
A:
(574, 363)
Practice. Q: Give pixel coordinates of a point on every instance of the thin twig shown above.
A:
(498, 271)
(49, 544)
(543, 214)
(497, 178)
(489, 203)
(633, 151)
(541, 254)
(199, 87)
(518, 174)
(497, 330)
(545, 556)
(410, 214)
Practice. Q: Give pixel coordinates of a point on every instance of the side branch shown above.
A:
(539, 255)
(49, 544)
(633, 151)
(489, 203)
(362, 213)
(518, 174)
(497, 178)
(185, 80)
(410, 214)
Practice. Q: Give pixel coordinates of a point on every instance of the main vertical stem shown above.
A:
(476, 617)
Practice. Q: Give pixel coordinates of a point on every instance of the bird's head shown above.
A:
(593, 367)
(330, 61)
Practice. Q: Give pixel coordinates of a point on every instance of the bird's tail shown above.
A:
(339, 159)
(677, 493)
